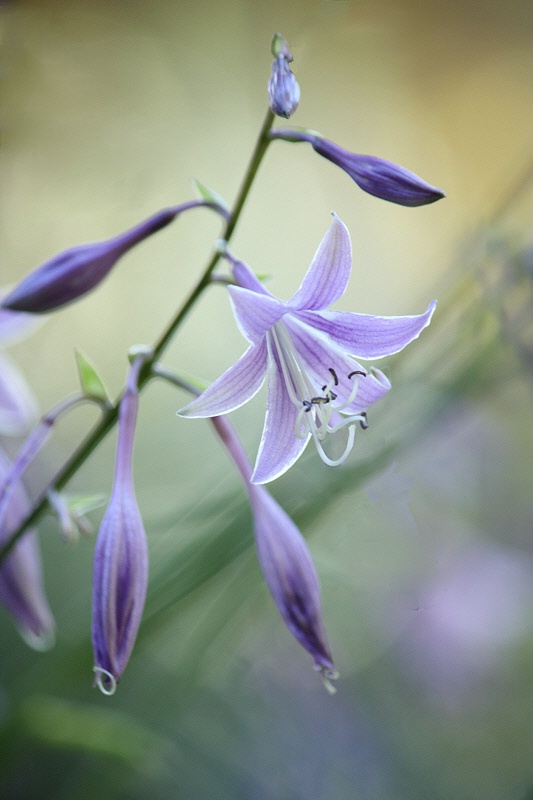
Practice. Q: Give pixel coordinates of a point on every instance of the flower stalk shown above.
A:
(110, 415)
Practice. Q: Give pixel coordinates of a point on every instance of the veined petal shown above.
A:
(319, 357)
(280, 447)
(327, 277)
(367, 336)
(246, 278)
(255, 313)
(234, 388)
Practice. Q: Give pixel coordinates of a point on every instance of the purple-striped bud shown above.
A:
(21, 582)
(291, 576)
(285, 561)
(120, 574)
(381, 178)
(283, 88)
(74, 272)
(378, 177)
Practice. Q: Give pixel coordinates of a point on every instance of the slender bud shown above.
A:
(74, 272)
(121, 557)
(285, 561)
(283, 88)
(378, 177)
(21, 583)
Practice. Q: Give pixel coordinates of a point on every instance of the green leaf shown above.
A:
(91, 383)
(205, 193)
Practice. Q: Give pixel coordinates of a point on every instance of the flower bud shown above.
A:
(121, 558)
(283, 88)
(21, 584)
(285, 562)
(74, 272)
(379, 177)
(291, 577)
(383, 179)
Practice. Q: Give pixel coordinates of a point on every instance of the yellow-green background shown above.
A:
(423, 540)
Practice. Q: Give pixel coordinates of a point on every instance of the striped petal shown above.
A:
(366, 336)
(234, 388)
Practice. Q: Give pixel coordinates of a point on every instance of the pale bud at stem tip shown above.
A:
(283, 88)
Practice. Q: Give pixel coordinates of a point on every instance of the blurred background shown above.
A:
(423, 539)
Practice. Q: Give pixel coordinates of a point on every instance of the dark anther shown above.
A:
(318, 400)
(334, 375)
(307, 405)
(358, 372)
(363, 422)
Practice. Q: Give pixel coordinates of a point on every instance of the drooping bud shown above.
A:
(121, 557)
(291, 576)
(74, 272)
(283, 88)
(285, 562)
(378, 177)
(21, 582)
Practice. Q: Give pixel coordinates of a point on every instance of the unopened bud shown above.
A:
(120, 559)
(74, 272)
(283, 88)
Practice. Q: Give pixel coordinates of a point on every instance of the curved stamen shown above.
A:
(315, 411)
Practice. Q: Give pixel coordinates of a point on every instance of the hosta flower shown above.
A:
(21, 581)
(315, 387)
(18, 407)
(120, 558)
(377, 176)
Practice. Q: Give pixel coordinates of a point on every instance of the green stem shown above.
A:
(110, 416)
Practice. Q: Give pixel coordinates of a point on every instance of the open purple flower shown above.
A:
(315, 388)
(21, 580)
(18, 406)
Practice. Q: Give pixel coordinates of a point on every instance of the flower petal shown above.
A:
(327, 277)
(255, 313)
(234, 388)
(318, 357)
(366, 336)
(280, 447)
(18, 407)
(246, 277)
(15, 325)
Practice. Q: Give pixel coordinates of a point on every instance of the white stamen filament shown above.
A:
(101, 676)
(315, 405)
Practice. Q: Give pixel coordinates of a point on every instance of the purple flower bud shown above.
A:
(285, 561)
(291, 577)
(381, 178)
(121, 558)
(283, 88)
(21, 583)
(378, 177)
(74, 272)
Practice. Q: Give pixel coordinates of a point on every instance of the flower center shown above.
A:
(316, 404)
